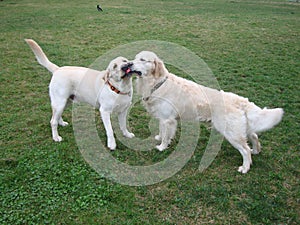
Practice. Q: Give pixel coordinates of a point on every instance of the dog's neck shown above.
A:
(124, 86)
(147, 85)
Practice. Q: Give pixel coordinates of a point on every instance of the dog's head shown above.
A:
(148, 64)
(119, 69)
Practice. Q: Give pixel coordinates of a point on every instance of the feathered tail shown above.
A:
(260, 120)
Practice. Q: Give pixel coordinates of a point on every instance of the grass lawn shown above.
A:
(252, 48)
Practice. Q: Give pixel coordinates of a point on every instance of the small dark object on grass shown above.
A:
(99, 8)
(8, 162)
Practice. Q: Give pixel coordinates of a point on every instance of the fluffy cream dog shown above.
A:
(109, 90)
(169, 98)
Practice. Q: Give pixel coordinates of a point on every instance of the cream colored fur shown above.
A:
(86, 85)
(233, 116)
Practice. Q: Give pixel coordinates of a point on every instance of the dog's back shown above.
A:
(258, 120)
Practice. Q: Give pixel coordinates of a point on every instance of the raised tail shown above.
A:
(260, 120)
(40, 56)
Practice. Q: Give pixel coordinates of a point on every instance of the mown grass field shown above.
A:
(253, 49)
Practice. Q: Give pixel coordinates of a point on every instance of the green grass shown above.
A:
(253, 49)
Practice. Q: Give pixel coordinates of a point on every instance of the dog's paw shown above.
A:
(57, 139)
(161, 147)
(254, 152)
(111, 144)
(157, 137)
(243, 169)
(129, 135)
(64, 124)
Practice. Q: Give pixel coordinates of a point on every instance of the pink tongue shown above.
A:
(128, 70)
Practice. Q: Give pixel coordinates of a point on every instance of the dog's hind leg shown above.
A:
(235, 133)
(57, 110)
(241, 145)
(255, 143)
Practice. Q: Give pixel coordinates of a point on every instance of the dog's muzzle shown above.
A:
(128, 70)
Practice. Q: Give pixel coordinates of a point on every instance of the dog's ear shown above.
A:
(109, 70)
(112, 66)
(159, 68)
(106, 76)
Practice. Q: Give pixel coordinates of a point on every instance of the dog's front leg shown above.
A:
(122, 116)
(167, 132)
(158, 137)
(111, 142)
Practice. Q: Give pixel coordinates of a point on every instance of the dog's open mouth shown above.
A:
(128, 71)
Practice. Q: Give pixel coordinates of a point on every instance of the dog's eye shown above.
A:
(125, 60)
(143, 60)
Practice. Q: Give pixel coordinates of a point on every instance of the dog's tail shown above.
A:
(40, 56)
(260, 120)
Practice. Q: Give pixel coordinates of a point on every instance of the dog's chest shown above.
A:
(121, 103)
(159, 108)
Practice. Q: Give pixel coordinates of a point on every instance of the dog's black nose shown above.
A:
(127, 66)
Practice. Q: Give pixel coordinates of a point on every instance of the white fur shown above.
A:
(87, 85)
(233, 116)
